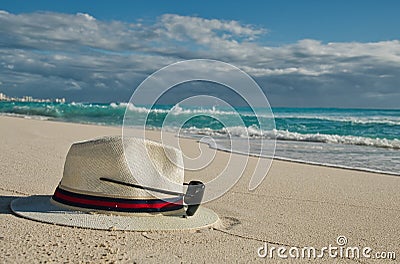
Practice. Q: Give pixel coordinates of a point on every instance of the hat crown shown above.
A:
(119, 159)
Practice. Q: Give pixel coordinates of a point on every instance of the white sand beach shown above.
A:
(297, 205)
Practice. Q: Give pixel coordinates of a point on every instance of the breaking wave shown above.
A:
(254, 132)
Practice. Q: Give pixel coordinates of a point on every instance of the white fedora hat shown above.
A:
(99, 191)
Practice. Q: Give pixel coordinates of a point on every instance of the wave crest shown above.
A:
(254, 132)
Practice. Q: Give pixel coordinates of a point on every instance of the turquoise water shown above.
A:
(357, 138)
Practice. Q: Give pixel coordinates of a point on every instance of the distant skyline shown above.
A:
(302, 53)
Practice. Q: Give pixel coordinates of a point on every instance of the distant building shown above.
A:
(60, 100)
(27, 99)
(4, 97)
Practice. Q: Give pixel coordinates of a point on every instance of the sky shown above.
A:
(301, 53)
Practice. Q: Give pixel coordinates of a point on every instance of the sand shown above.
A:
(296, 205)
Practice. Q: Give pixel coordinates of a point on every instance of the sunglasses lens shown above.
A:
(193, 196)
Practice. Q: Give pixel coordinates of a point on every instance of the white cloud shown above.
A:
(58, 53)
(203, 31)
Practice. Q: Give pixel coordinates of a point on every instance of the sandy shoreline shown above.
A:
(296, 205)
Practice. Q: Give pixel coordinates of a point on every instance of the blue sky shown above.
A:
(302, 53)
(287, 21)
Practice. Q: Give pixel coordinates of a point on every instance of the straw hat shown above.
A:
(99, 191)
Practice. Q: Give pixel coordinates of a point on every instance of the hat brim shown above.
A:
(39, 208)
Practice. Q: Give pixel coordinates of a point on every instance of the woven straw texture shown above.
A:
(157, 165)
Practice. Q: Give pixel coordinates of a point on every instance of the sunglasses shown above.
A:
(192, 198)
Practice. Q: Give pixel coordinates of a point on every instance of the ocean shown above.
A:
(365, 139)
